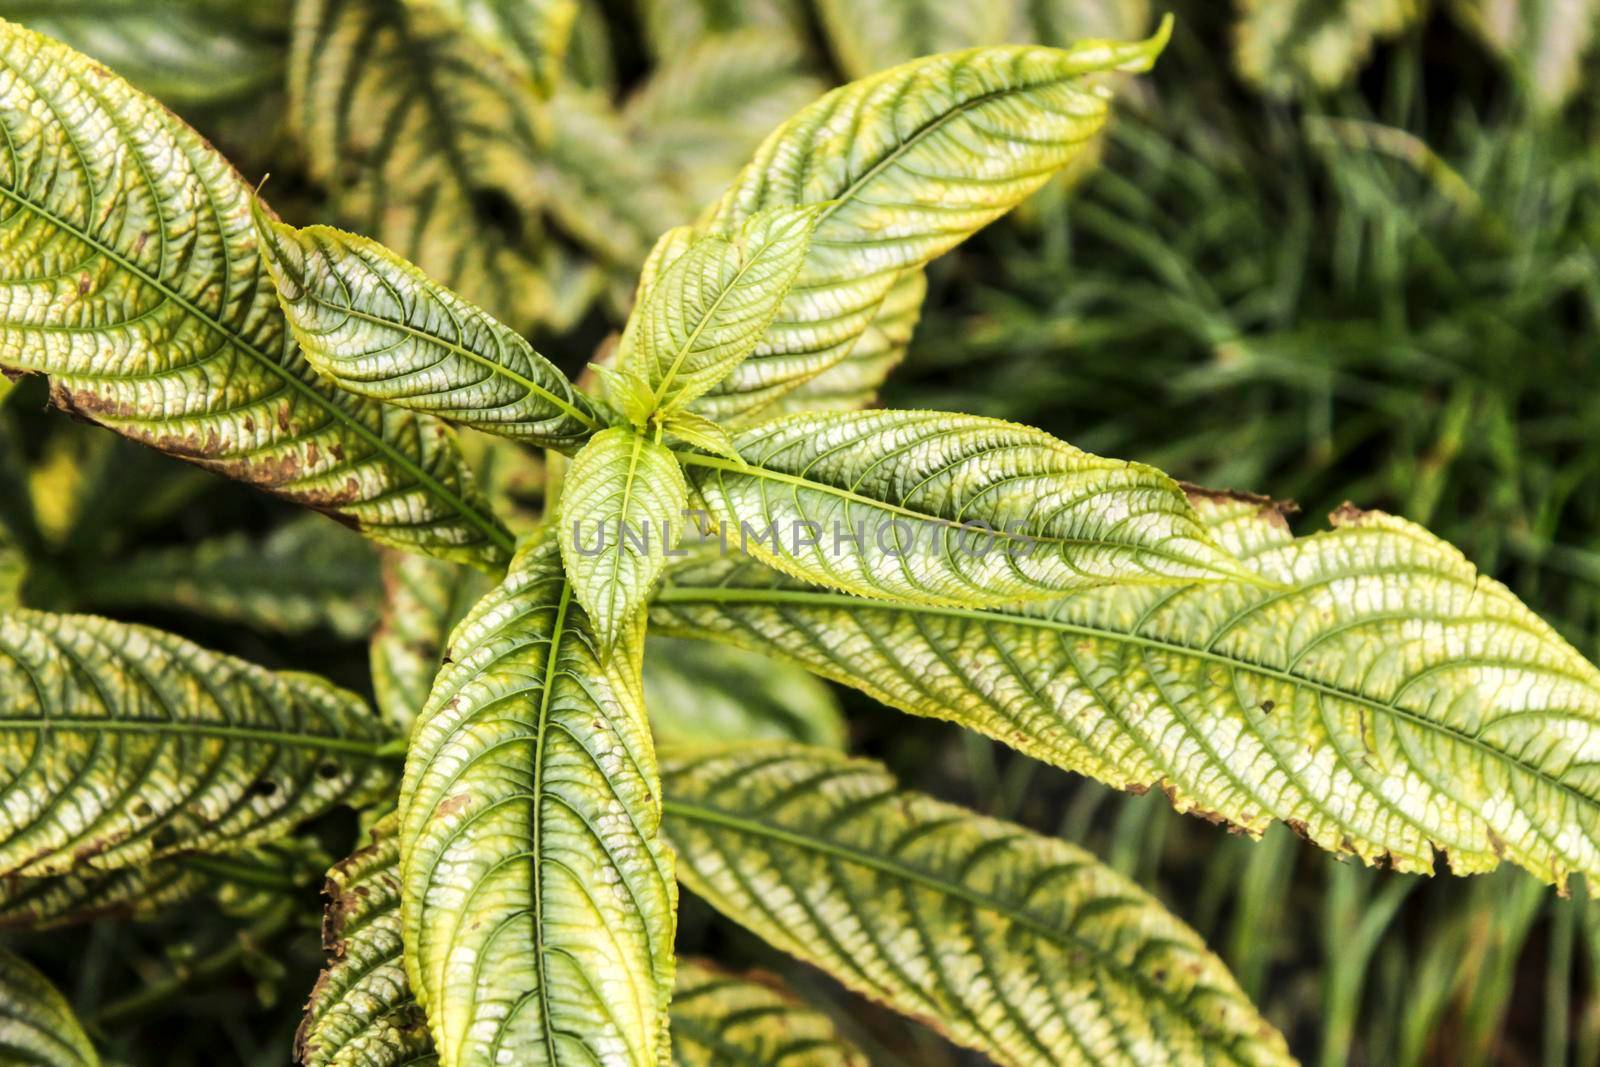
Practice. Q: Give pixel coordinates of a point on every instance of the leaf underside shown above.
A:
(133, 279)
(121, 744)
(539, 904)
(1020, 946)
(1387, 701)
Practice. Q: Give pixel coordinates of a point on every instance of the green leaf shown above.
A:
(697, 692)
(622, 512)
(697, 431)
(853, 383)
(867, 38)
(706, 107)
(1060, 22)
(427, 141)
(189, 54)
(423, 600)
(361, 1010)
(382, 329)
(243, 884)
(13, 571)
(1288, 47)
(134, 893)
(705, 310)
(305, 576)
(538, 901)
(937, 149)
(675, 26)
(949, 509)
(136, 285)
(599, 188)
(532, 35)
(1020, 946)
(1544, 42)
(724, 1020)
(119, 744)
(1387, 701)
(37, 1025)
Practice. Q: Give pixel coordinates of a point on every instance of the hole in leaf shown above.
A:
(264, 788)
(328, 771)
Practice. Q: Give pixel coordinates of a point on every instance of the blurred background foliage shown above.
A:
(1333, 249)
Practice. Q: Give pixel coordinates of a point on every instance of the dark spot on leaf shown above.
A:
(1267, 706)
(328, 771)
(264, 788)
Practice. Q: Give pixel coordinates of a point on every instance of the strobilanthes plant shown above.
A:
(723, 480)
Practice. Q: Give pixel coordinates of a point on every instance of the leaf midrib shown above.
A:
(758, 471)
(164, 727)
(684, 595)
(488, 528)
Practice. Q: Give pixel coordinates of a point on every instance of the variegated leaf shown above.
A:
(949, 509)
(37, 1025)
(1387, 700)
(1020, 946)
(120, 744)
(382, 329)
(538, 902)
(935, 150)
(132, 277)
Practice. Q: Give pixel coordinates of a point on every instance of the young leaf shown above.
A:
(871, 37)
(977, 927)
(1389, 702)
(622, 512)
(937, 149)
(697, 431)
(853, 382)
(531, 35)
(307, 575)
(361, 1010)
(707, 309)
(136, 284)
(723, 1020)
(949, 509)
(538, 901)
(423, 599)
(698, 692)
(37, 1025)
(382, 329)
(426, 141)
(120, 744)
